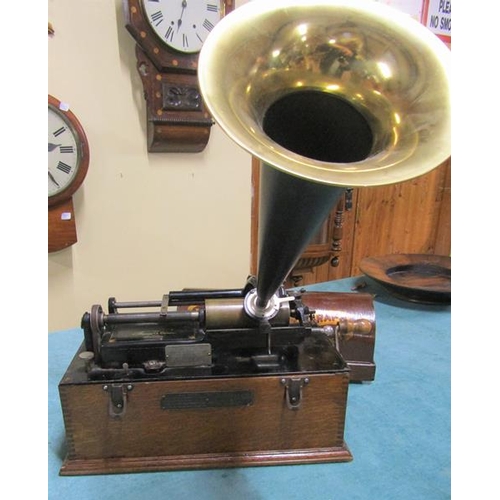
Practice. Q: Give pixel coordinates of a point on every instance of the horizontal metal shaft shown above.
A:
(171, 317)
(143, 303)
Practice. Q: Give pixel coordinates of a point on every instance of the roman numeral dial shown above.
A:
(67, 152)
(183, 24)
(63, 153)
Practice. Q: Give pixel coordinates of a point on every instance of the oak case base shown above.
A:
(199, 462)
(251, 422)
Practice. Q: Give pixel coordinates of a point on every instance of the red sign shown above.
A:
(436, 15)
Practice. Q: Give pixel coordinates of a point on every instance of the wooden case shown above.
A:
(209, 422)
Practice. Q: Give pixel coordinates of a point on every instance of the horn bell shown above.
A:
(343, 93)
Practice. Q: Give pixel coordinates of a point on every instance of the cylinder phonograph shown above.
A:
(329, 95)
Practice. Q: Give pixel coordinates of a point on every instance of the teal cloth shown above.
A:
(397, 427)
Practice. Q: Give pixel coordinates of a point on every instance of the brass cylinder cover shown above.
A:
(230, 313)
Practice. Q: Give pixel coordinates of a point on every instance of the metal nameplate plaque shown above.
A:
(194, 400)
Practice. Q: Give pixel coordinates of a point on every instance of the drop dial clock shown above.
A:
(68, 162)
(169, 35)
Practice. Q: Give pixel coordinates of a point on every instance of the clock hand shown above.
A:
(179, 22)
(51, 177)
(53, 146)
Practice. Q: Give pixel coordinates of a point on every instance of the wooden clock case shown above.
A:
(177, 119)
(61, 214)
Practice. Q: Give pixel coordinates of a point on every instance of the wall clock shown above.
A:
(169, 36)
(68, 163)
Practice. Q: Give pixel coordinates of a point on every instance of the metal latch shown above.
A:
(293, 391)
(117, 398)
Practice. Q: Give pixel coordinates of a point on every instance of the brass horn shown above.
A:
(328, 94)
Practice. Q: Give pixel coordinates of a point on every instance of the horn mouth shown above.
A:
(348, 93)
(308, 123)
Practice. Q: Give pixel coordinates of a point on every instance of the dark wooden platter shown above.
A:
(415, 277)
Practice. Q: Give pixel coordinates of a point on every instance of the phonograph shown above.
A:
(328, 95)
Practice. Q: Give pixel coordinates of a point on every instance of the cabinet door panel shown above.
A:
(410, 217)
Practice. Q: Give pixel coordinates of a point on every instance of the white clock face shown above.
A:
(183, 24)
(64, 157)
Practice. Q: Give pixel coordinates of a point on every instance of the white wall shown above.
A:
(147, 223)
(411, 7)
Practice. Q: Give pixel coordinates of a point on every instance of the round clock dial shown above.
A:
(183, 24)
(68, 153)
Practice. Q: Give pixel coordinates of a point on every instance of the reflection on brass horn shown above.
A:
(328, 95)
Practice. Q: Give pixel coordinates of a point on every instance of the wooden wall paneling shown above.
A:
(443, 235)
(408, 217)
